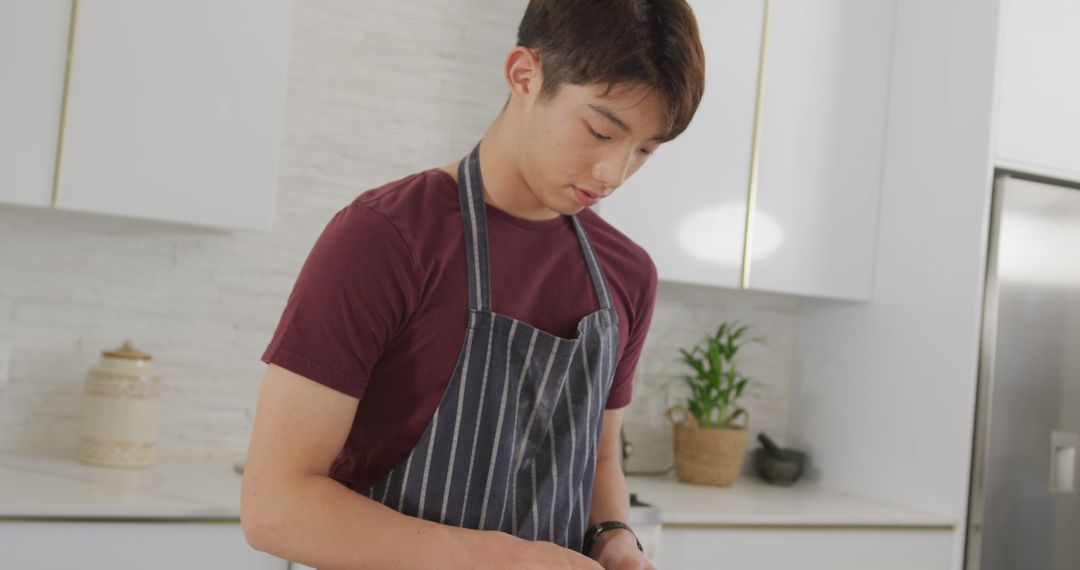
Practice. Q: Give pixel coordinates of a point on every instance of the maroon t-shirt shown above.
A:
(379, 309)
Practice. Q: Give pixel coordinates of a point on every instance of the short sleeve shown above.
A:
(355, 290)
(623, 384)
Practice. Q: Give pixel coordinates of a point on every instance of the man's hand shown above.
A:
(521, 554)
(617, 550)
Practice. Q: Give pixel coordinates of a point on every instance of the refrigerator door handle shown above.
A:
(1063, 462)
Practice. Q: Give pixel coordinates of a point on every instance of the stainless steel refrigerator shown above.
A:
(1025, 509)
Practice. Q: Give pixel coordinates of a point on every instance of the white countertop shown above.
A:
(53, 484)
(753, 502)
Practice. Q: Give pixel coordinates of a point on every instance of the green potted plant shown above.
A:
(709, 447)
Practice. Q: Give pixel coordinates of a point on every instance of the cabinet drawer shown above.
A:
(807, 549)
(106, 545)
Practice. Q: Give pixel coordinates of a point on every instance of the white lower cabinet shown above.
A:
(784, 548)
(107, 545)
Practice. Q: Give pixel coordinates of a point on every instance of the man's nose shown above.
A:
(610, 173)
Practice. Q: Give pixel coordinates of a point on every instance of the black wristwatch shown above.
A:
(595, 530)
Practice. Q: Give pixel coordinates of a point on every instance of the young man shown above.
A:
(447, 380)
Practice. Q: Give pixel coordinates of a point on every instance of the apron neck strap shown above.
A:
(473, 214)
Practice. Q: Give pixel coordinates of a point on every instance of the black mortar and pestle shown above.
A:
(776, 465)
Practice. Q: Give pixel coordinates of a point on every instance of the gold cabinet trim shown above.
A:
(755, 155)
(64, 104)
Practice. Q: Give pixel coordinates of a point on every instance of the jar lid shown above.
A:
(127, 351)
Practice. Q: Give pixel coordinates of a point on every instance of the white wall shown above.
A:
(377, 90)
(884, 392)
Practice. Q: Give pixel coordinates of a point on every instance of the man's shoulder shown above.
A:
(416, 191)
(405, 204)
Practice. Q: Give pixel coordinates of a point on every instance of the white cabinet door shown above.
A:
(33, 54)
(687, 204)
(128, 545)
(822, 140)
(1038, 114)
(809, 549)
(175, 110)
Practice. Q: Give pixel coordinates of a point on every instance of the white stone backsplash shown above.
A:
(684, 315)
(377, 90)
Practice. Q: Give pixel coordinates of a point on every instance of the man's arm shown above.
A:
(611, 500)
(291, 508)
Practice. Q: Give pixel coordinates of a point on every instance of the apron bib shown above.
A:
(512, 444)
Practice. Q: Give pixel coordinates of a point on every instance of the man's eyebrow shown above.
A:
(611, 116)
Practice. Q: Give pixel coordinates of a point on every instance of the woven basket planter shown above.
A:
(706, 456)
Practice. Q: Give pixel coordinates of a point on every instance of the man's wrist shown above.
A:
(612, 538)
(616, 536)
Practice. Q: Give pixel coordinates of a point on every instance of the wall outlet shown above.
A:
(6, 348)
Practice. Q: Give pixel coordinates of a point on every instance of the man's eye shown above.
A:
(598, 135)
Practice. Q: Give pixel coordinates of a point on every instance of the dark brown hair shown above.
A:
(651, 43)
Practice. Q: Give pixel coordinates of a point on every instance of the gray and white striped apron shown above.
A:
(512, 445)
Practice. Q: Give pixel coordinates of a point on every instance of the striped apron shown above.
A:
(512, 445)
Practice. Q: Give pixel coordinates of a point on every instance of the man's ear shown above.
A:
(522, 71)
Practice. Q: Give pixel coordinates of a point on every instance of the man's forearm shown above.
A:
(610, 498)
(614, 548)
(610, 502)
(319, 522)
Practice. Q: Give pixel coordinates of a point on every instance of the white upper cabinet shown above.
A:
(808, 197)
(33, 52)
(824, 111)
(1038, 99)
(687, 204)
(175, 110)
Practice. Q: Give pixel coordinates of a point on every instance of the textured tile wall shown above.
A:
(378, 89)
(684, 315)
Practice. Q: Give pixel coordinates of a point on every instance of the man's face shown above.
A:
(580, 139)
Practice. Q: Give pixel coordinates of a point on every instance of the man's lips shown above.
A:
(584, 197)
(592, 194)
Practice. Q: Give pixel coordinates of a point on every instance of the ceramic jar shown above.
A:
(121, 408)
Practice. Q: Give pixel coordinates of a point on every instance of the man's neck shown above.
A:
(504, 187)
